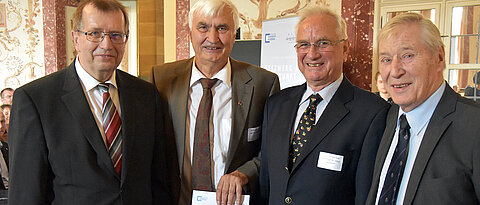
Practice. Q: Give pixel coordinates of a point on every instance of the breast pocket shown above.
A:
(457, 189)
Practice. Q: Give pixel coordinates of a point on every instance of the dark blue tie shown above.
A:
(394, 175)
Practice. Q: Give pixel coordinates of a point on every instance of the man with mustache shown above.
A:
(216, 149)
(89, 134)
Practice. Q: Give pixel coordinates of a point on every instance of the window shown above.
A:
(459, 23)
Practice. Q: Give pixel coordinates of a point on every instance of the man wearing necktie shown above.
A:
(319, 139)
(216, 146)
(429, 153)
(90, 133)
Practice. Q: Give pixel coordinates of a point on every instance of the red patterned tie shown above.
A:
(112, 125)
(201, 165)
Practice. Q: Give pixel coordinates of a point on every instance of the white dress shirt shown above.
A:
(326, 94)
(418, 120)
(95, 96)
(221, 117)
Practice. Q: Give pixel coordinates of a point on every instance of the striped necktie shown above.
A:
(112, 125)
(394, 174)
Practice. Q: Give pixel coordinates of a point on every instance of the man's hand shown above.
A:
(230, 187)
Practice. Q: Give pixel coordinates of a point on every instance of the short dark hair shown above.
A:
(5, 106)
(5, 89)
(102, 5)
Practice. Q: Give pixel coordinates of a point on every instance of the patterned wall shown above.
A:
(21, 42)
(32, 37)
(358, 15)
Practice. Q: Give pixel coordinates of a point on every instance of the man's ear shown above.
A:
(441, 57)
(75, 39)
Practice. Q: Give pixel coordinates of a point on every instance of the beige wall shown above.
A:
(150, 32)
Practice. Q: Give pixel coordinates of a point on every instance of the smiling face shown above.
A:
(321, 68)
(213, 38)
(410, 71)
(102, 58)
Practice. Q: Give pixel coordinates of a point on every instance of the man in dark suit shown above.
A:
(89, 134)
(239, 95)
(319, 139)
(429, 153)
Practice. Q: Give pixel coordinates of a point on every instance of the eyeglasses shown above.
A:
(98, 36)
(324, 45)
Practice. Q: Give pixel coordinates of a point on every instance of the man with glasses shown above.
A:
(319, 139)
(89, 134)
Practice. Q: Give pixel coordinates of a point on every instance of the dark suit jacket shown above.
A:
(57, 155)
(447, 166)
(251, 86)
(351, 126)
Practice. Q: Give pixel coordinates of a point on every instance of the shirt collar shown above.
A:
(224, 75)
(89, 82)
(326, 93)
(419, 117)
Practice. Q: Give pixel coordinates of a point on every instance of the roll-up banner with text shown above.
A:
(278, 53)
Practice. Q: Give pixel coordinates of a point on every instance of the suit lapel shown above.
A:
(331, 116)
(76, 102)
(435, 129)
(383, 150)
(127, 102)
(242, 93)
(289, 112)
(178, 99)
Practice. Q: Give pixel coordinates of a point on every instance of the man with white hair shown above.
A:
(319, 139)
(429, 153)
(216, 129)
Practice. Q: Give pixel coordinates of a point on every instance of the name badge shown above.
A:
(208, 198)
(330, 161)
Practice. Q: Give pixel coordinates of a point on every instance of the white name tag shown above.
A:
(208, 198)
(330, 161)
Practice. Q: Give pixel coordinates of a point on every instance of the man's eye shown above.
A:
(202, 28)
(116, 35)
(385, 60)
(94, 34)
(303, 45)
(323, 43)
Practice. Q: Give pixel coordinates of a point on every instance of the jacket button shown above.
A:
(288, 200)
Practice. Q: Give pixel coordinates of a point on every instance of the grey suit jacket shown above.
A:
(251, 86)
(350, 126)
(447, 166)
(57, 155)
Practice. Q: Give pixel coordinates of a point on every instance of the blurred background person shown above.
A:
(471, 90)
(3, 158)
(6, 112)
(3, 126)
(382, 92)
(7, 95)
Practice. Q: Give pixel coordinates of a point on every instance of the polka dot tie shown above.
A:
(397, 165)
(307, 121)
